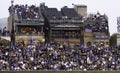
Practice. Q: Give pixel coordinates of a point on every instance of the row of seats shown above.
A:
(65, 13)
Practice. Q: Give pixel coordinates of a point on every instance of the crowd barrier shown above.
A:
(59, 71)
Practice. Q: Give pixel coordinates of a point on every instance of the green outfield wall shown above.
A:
(59, 71)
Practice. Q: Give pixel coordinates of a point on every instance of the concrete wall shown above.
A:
(81, 9)
(6, 37)
(9, 23)
(71, 41)
(24, 37)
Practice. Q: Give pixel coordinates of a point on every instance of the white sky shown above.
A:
(110, 7)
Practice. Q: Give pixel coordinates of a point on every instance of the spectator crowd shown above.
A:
(25, 11)
(99, 23)
(54, 56)
(4, 32)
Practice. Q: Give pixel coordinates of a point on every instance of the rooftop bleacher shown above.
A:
(52, 13)
(25, 11)
(69, 12)
(96, 23)
(65, 16)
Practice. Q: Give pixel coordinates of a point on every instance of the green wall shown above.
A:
(59, 71)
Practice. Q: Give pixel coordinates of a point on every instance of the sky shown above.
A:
(109, 7)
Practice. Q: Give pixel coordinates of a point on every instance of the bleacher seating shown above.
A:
(99, 23)
(52, 13)
(25, 11)
(30, 55)
(69, 12)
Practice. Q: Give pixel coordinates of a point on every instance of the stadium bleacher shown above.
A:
(52, 13)
(25, 11)
(99, 23)
(31, 55)
(69, 12)
(55, 56)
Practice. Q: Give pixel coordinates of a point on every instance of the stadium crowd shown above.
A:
(54, 56)
(25, 11)
(100, 23)
(35, 55)
(4, 32)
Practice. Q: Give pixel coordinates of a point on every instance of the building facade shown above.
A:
(96, 30)
(115, 39)
(26, 21)
(71, 25)
(64, 26)
(81, 10)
